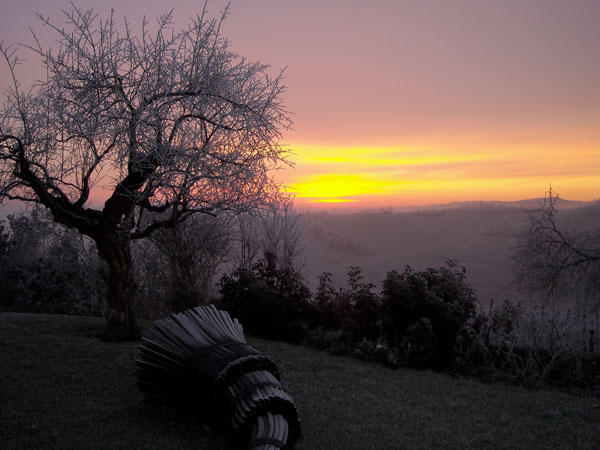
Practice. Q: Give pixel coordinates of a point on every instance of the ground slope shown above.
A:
(64, 389)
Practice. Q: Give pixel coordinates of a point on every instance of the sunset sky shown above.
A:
(410, 102)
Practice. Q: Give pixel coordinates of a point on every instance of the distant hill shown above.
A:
(481, 235)
(531, 203)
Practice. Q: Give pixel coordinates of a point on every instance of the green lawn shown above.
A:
(62, 388)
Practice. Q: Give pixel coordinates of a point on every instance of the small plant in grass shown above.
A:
(377, 351)
(333, 341)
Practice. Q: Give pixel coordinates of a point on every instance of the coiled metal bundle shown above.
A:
(200, 358)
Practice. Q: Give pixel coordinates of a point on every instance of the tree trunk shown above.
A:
(121, 322)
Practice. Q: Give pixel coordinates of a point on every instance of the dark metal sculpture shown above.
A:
(200, 358)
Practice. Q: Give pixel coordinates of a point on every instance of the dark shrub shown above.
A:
(355, 310)
(182, 299)
(329, 316)
(423, 312)
(270, 302)
(366, 307)
(377, 351)
(419, 344)
(47, 268)
(573, 370)
(333, 341)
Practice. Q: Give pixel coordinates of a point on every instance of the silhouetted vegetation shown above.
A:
(47, 268)
(501, 346)
(414, 322)
(424, 319)
(270, 301)
(424, 312)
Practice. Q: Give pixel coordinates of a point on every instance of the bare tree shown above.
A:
(194, 251)
(248, 241)
(169, 122)
(277, 230)
(283, 234)
(551, 260)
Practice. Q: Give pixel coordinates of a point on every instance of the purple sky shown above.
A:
(496, 77)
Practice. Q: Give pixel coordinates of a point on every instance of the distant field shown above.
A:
(481, 239)
(61, 388)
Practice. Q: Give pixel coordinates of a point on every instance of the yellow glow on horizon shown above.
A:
(397, 176)
(339, 186)
(332, 200)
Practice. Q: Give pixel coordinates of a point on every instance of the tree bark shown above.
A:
(121, 322)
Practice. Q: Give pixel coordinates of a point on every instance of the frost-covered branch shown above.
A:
(552, 260)
(159, 120)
